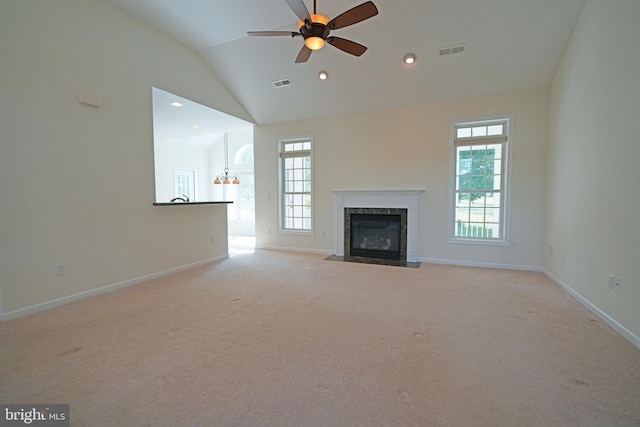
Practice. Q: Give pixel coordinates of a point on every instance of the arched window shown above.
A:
(244, 155)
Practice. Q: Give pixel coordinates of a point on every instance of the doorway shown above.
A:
(236, 155)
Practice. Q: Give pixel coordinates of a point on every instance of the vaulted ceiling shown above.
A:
(509, 45)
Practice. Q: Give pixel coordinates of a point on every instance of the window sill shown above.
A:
(298, 232)
(190, 203)
(479, 242)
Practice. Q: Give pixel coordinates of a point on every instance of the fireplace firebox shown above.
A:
(376, 235)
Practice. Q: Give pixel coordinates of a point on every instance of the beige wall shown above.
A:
(410, 148)
(76, 181)
(593, 165)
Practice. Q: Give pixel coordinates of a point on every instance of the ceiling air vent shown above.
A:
(450, 50)
(282, 83)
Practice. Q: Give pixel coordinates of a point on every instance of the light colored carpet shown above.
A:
(283, 339)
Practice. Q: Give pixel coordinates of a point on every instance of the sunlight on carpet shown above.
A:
(241, 245)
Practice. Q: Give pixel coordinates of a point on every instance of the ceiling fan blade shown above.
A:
(353, 16)
(273, 33)
(348, 46)
(300, 9)
(303, 55)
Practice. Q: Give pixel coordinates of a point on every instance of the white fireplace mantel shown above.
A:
(407, 199)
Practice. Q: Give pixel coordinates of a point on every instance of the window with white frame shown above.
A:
(184, 183)
(243, 195)
(480, 186)
(295, 185)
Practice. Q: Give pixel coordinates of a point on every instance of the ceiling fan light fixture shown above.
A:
(321, 19)
(314, 43)
(315, 28)
(315, 19)
(409, 58)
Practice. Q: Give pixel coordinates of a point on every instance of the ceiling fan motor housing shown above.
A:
(317, 30)
(317, 27)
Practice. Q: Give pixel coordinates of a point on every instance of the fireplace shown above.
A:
(375, 235)
(409, 200)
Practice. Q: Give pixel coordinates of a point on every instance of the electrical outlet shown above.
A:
(61, 269)
(616, 284)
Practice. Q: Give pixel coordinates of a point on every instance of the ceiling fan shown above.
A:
(315, 28)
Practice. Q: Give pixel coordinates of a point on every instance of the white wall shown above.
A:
(410, 148)
(170, 155)
(77, 182)
(593, 174)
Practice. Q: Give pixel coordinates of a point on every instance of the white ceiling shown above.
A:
(190, 124)
(509, 45)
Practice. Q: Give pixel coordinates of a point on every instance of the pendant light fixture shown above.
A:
(226, 178)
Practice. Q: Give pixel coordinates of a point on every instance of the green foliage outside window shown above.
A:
(476, 172)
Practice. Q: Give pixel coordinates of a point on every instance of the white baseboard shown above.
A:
(301, 250)
(14, 314)
(481, 264)
(627, 334)
(427, 260)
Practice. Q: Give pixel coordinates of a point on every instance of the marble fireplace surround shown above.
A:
(407, 199)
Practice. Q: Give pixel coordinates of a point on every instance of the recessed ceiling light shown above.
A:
(196, 126)
(409, 58)
(176, 104)
(323, 75)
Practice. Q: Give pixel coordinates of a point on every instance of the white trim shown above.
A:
(627, 334)
(299, 250)
(14, 314)
(477, 140)
(297, 232)
(0, 299)
(509, 121)
(481, 264)
(468, 241)
(497, 138)
(280, 181)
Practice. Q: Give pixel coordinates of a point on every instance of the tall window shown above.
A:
(184, 183)
(481, 162)
(295, 185)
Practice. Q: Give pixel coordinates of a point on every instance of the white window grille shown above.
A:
(296, 185)
(480, 180)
